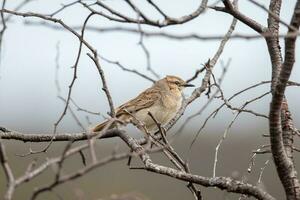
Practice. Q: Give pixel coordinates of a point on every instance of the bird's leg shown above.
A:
(129, 159)
(163, 135)
(149, 143)
(161, 129)
(141, 126)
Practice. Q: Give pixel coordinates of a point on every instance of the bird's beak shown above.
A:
(188, 85)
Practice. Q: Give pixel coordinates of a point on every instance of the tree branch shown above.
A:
(284, 165)
(223, 183)
(8, 173)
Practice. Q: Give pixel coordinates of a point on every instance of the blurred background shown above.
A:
(34, 55)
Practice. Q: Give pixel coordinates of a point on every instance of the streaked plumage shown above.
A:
(163, 100)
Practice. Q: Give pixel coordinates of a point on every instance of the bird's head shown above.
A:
(176, 83)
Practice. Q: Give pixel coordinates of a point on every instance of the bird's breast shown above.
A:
(163, 111)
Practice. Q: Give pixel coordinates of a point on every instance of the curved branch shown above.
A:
(229, 8)
(285, 167)
(223, 183)
(119, 17)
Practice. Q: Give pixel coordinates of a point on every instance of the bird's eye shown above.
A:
(177, 82)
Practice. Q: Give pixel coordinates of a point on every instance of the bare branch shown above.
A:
(46, 137)
(285, 166)
(8, 173)
(3, 20)
(126, 19)
(275, 16)
(146, 51)
(126, 69)
(229, 8)
(63, 7)
(174, 36)
(219, 182)
(104, 88)
(198, 71)
(262, 170)
(209, 66)
(158, 9)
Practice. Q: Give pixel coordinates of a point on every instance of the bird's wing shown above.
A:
(144, 100)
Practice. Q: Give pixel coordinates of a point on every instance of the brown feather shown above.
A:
(144, 100)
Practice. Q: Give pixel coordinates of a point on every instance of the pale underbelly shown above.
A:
(162, 114)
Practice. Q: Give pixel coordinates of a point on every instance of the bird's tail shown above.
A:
(123, 119)
(101, 126)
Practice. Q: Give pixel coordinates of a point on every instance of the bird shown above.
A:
(162, 100)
